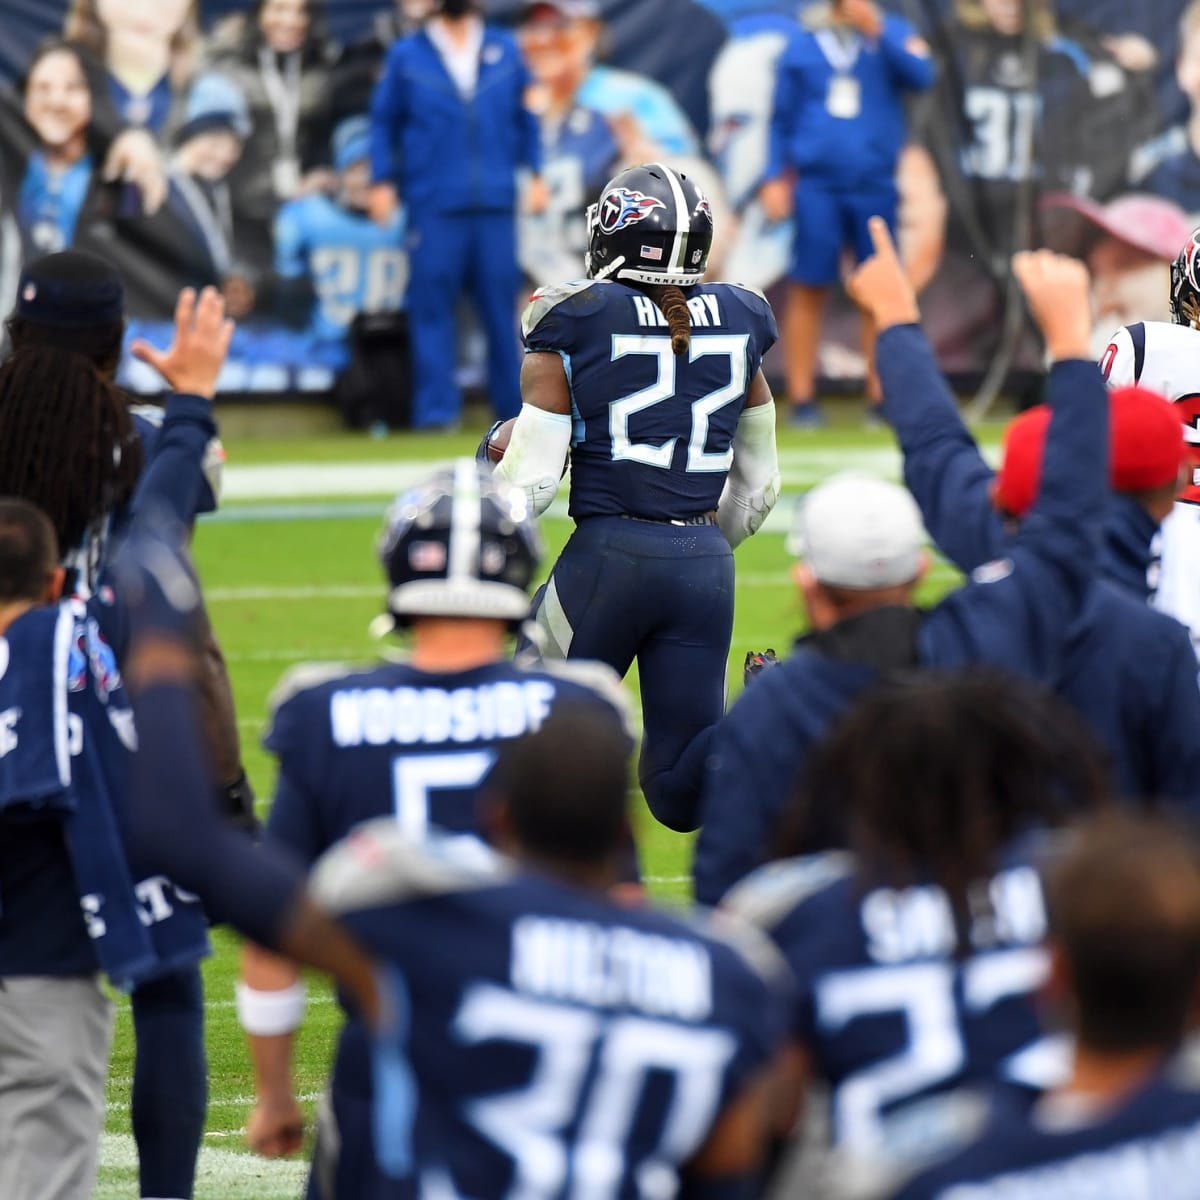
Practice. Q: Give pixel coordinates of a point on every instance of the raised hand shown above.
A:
(202, 336)
(881, 286)
(1058, 291)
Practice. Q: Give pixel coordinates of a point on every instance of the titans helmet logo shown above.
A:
(622, 206)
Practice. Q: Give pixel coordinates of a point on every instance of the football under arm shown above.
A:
(753, 483)
(541, 437)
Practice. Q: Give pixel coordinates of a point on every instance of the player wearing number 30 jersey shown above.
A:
(413, 740)
(653, 381)
(546, 1040)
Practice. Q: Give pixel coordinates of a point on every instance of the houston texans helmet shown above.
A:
(652, 224)
(461, 544)
(1185, 283)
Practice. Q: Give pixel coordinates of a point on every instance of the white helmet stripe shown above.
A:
(464, 521)
(683, 218)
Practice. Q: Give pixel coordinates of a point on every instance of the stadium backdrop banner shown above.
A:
(1068, 123)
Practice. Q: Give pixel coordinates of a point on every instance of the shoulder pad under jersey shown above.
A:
(546, 299)
(304, 676)
(767, 895)
(597, 677)
(377, 865)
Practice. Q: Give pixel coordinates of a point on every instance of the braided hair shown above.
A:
(672, 304)
(67, 441)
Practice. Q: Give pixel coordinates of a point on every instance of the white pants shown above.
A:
(1178, 592)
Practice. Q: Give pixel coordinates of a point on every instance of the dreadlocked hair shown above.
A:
(67, 441)
(672, 304)
(931, 774)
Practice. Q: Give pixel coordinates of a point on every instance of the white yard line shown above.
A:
(221, 1174)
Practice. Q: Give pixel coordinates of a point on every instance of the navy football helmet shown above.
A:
(652, 224)
(1185, 283)
(462, 544)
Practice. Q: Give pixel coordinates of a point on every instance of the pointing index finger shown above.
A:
(881, 238)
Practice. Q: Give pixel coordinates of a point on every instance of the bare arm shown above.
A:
(275, 1125)
(544, 382)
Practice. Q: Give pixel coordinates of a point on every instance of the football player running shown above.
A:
(1164, 357)
(651, 379)
(412, 740)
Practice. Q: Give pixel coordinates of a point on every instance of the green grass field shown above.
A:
(291, 575)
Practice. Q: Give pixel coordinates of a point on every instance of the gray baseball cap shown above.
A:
(858, 531)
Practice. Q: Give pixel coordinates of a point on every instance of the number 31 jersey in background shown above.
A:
(888, 1009)
(553, 1043)
(653, 432)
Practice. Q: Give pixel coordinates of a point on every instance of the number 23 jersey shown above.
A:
(652, 432)
(888, 1008)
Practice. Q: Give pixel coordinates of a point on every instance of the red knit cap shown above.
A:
(1146, 448)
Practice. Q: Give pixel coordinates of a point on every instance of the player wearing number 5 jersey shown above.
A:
(413, 740)
(548, 1042)
(659, 396)
(918, 953)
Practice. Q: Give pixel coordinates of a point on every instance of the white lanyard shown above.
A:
(212, 226)
(840, 53)
(283, 95)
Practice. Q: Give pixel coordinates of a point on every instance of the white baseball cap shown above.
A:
(858, 531)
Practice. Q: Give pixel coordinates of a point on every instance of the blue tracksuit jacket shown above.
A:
(446, 154)
(1125, 669)
(1015, 614)
(836, 151)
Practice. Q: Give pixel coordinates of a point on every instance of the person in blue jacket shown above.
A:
(1125, 670)
(862, 544)
(449, 129)
(837, 128)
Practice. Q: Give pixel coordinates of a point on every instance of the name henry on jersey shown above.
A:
(611, 967)
(409, 716)
(705, 312)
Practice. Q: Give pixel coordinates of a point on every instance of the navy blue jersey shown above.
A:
(1147, 1146)
(653, 433)
(556, 1043)
(66, 737)
(391, 739)
(888, 1008)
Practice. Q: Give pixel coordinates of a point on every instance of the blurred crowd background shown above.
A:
(220, 142)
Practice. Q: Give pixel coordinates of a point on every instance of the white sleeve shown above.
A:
(536, 454)
(753, 484)
(1118, 364)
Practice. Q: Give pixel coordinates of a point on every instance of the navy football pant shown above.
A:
(344, 1166)
(170, 1081)
(451, 253)
(661, 594)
